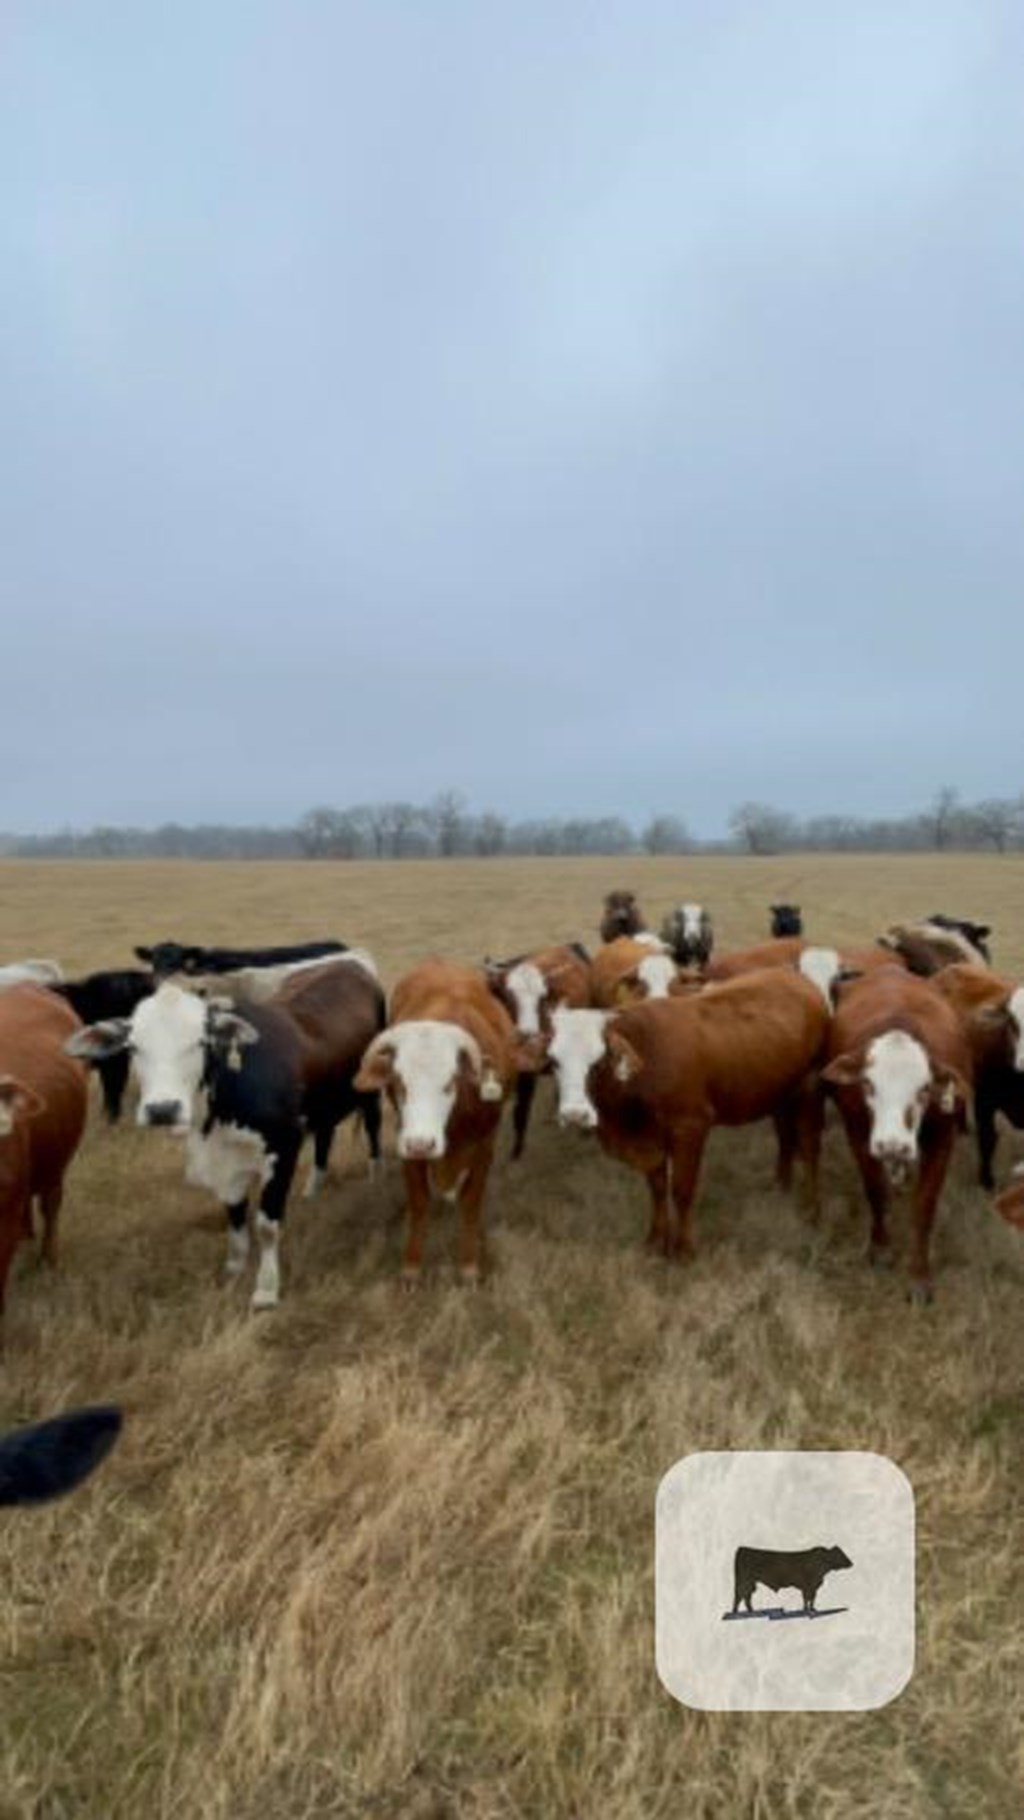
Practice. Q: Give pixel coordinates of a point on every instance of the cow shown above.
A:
(974, 933)
(804, 1568)
(621, 915)
(785, 951)
(29, 973)
(654, 1079)
(170, 958)
(627, 970)
(244, 1081)
(111, 993)
(927, 947)
(991, 1011)
(530, 986)
(899, 1068)
(785, 920)
(47, 1459)
(263, 982)
(44, 1098)
(687, 934)
(447, 1062)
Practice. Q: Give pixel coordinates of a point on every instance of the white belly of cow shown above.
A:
(229, 1161)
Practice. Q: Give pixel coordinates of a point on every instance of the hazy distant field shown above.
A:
(392, 1555)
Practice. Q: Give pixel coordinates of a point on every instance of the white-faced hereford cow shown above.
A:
(245, 1081)
(991, 1012)
(530, 987)
(44, 1096)
(900, 1070)
(654, 1080)
(447, 1062)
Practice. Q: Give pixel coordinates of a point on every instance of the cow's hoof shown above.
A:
(922, 1295)
(262, 1299)
(411, 1277)
(233, 1267)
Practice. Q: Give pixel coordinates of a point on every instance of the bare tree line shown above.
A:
(447, 827)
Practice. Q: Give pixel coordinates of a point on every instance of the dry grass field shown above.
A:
(391, 1555)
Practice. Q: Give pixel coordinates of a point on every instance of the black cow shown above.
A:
(49, 1458)
(975, 933)
(786, 919)
(167, 958)
(804, 1568)
(114, 993)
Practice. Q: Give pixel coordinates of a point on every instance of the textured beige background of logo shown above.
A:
(711, 1503)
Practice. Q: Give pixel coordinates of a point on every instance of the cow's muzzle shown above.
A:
(163, 1112)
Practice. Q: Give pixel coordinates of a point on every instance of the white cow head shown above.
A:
(1009, 1017)
(899, 1084)
(422, 1064)
(687, 931)
(170, 1036)
(580, 1041)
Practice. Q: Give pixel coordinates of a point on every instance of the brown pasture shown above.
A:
(391, 1556)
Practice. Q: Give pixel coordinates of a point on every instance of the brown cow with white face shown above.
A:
(900, 1071)
(654, 1079)
(44, 1097)
(447, 1062)
(626, 971)
(530, 987)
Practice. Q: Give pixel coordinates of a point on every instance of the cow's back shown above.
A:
(783, 951)
(337, 1009)
(34, 1026)
(729, 1053)
(891, 998)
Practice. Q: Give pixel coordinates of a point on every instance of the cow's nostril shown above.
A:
(163, 1112)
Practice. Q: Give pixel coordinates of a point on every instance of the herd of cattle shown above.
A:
(653, 1041)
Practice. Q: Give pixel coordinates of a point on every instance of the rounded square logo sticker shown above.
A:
(784, 1582)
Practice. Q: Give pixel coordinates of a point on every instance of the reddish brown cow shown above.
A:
(991, 1012)
(900, 1070)
(785, 951)
(654, 1079)
(447, 1062)
(44, 1097)
(627, 971)
(530, 987)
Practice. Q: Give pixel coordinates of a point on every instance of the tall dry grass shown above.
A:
(391, 1555)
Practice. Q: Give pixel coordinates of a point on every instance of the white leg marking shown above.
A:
(238, 1250)
(314, 1182)
(268, 1277)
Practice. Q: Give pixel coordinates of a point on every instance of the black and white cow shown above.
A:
(245, 1081)
(687, 934)
(169, 958)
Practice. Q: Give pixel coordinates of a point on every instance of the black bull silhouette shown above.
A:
(804, 1568)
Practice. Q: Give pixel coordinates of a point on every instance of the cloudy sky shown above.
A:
(607, 407)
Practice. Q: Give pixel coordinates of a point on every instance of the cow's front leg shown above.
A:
(936, 1150)
(238, 1238)
(416, 1177)
(657, 1184)
(471, 1194)
(371, 1109)
(687, 1151)
(270, 1219)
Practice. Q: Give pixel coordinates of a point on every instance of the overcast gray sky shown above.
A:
(605, 407)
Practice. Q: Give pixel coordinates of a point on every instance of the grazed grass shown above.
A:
(392, 1555)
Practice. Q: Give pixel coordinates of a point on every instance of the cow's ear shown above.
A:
(845, 1071)
(530, 1054)
(17, 1101)
(376, 1068)
(949, 1090)
(624, 1059)
(97, 1041)
(992, 1016)
(229, 1032)
(144, 954)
